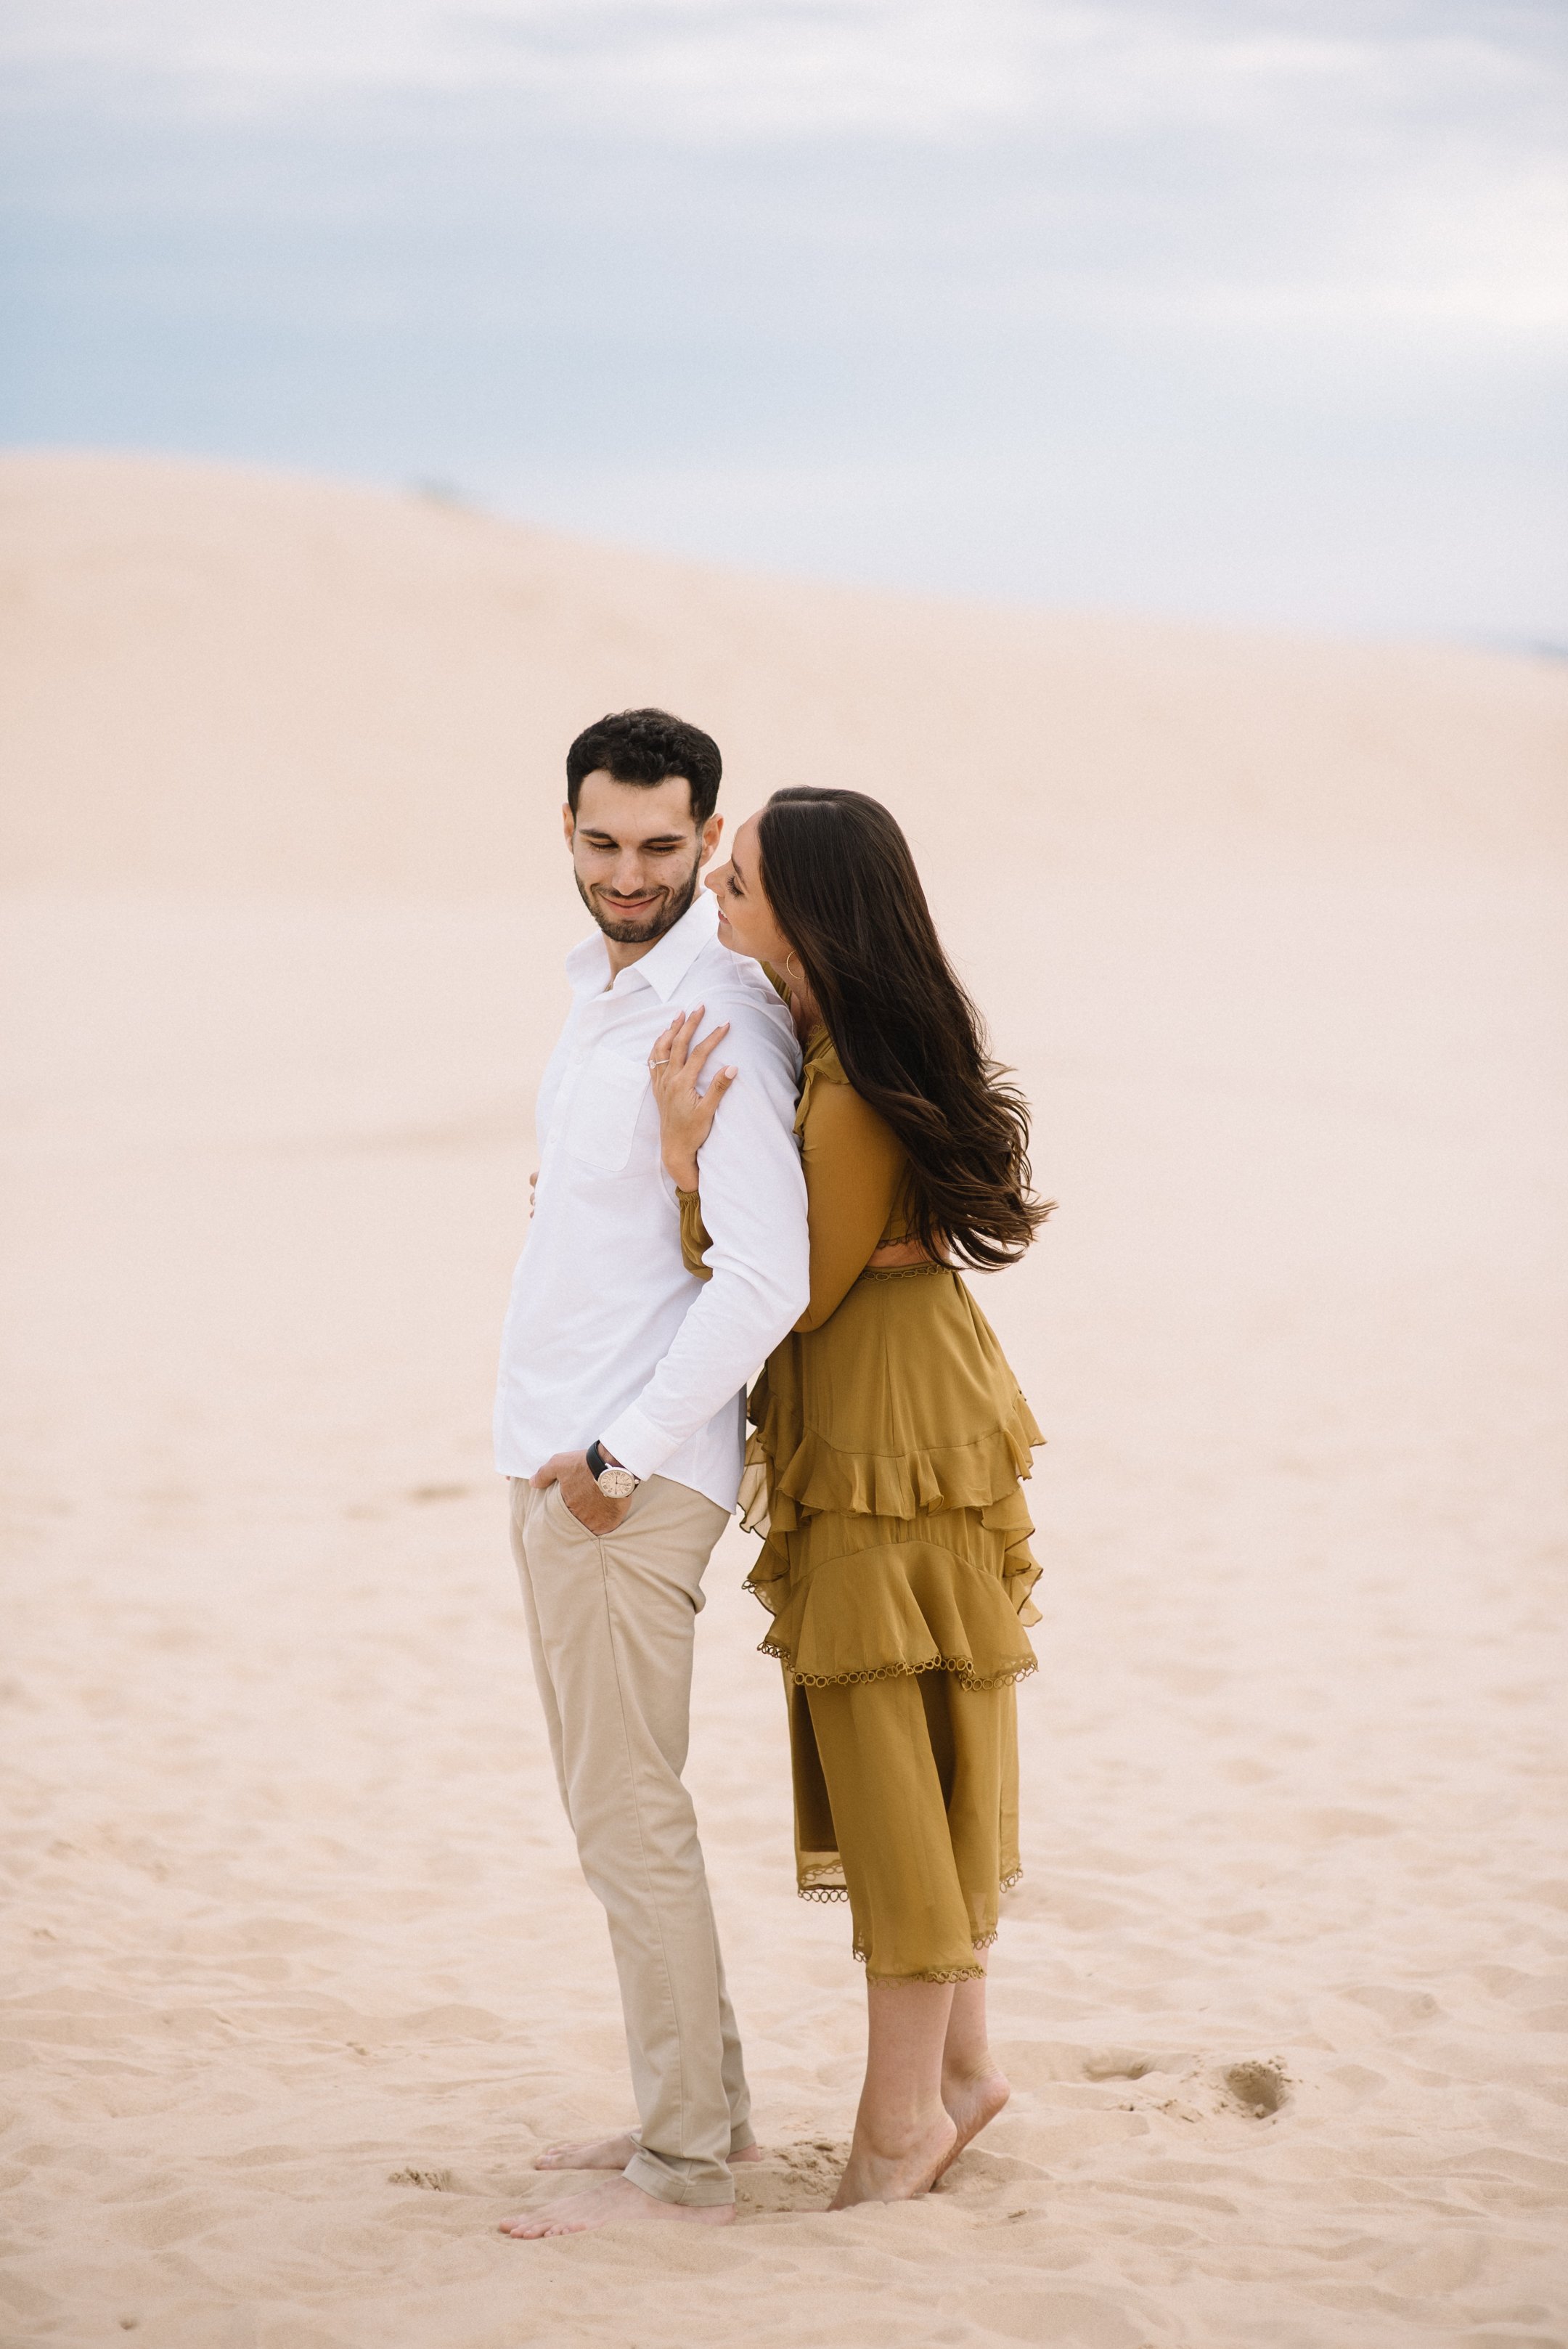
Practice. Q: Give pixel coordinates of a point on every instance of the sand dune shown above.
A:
(301, 1969)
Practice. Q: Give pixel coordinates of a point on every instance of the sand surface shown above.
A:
(300, 1970)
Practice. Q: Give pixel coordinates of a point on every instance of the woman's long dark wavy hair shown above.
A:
(843, 890)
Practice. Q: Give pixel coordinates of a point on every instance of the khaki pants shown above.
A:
(612, 1622)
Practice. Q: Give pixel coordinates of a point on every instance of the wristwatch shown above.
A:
(616, 1484)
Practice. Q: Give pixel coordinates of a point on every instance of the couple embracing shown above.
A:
(769, 1135)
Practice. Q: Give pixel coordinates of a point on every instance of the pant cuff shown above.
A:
(743, 2139)
(667, 2185)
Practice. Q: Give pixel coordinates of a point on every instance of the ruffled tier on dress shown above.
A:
(900, 1544)
(896, 1551)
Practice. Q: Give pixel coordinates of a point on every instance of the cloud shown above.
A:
(727, 249)
(790, 69)
(1314, 167)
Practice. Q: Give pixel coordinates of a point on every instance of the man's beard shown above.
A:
(664, 917)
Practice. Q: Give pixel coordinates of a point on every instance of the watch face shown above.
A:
(617, 1483)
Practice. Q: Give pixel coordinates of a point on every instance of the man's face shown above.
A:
(636, 853)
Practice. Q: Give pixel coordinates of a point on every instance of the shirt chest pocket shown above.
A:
(608, 1099)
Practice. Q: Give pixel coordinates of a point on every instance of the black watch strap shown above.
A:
(597, 1463)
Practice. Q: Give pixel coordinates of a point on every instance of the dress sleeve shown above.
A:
(695, 1237)
(854, 1171)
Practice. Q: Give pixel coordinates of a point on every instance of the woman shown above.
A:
(890, 1441)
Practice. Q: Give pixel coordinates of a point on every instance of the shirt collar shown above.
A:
(662, 970)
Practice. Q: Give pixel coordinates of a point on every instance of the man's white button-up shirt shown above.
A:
(608, 1334)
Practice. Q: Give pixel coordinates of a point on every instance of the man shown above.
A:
(619, 1418)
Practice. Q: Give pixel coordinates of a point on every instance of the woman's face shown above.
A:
(746, 924)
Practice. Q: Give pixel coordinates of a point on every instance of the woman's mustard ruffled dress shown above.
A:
(884, 1475)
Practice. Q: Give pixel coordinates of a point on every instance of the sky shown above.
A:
(1235, 309)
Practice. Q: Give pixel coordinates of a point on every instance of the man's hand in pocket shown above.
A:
(581, 1495)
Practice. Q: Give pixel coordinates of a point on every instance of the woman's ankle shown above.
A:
(910, 2138)
(964, 2069)
(891, 2133)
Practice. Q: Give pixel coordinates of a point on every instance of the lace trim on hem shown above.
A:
(1009, 1883)
(841, 1892)
(936, 1974)
(961, 1669)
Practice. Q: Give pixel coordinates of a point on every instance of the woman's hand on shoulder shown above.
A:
(686, 1115)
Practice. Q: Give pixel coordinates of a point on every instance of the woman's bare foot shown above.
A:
(973, 2103)
(895, 2173)
(610, 2153)
(611, 2203)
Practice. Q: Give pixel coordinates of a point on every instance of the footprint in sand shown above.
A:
(796, 2178)
(1260, 2089)
(1119, 2063)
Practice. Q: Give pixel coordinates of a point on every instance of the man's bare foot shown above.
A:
(588, 2153)
(972, 2105)
(611, 2203)
(875, 2174)
(610, 2153)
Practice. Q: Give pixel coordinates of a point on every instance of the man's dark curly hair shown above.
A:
(647, 745)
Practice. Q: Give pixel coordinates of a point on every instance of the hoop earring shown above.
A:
(799, 977)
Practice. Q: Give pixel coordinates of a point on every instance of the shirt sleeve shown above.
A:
(855, 1168)
(753, 1207)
